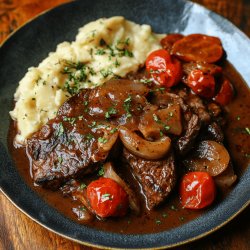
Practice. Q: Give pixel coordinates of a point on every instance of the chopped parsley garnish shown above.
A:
(247, 155)
(126, 52)
(71, 120)
(111, 111)
(113, 130)
(241, 130)
(127, 105)
(82, 186)
(119, 49)
(145, 81)
(164, 215)
(116, 63)
(238, 118)
(86, 103)
(82, 208)
(162, 89)
(126, 42)
(157, 71)
(102, 140)
(89, 136)
(91, 71)
(93, 124)
(100, 52)
(174, 208)
(157, 222)
(106, 197)
(60, 160)
(111, 51)
(77, 75)
(101, 171)
(159, 121)
(60, 130)
(106, 72)
(247, 130)
(181, 218)
(156, 118)
(166, 127)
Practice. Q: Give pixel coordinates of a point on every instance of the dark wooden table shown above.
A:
(17, 231)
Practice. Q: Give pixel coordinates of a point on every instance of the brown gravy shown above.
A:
(170, 214)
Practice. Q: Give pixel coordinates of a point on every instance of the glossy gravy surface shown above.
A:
(170, 214)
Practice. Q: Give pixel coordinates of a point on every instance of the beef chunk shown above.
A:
(157, 178)
(214, 109)
(185, 143)
(164, 99)
(196, 104)
(213, 132)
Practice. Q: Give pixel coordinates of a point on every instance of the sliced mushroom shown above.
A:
(226, 178)
(110, 173)
(110, 135)
(209, 156)
(167, 120)
(146, 149)
(105, 142)
(74, 190)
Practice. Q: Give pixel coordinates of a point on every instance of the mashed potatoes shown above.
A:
(103, 49)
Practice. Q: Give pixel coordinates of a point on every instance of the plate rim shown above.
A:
(181, 243)
(244, 206)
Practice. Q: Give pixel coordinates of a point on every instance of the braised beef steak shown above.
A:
(84, 131)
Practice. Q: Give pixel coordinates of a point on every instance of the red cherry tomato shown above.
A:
(197, 190)
(201, 83)
(169, 40)
(198, 47)
(164, 69)
(225, 94)
(107, 198)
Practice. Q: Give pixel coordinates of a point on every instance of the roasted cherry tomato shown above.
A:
(164, 69)
(198, 47)
(225, 94)
(168, 41)
(107, 198)
(201, 83)
(197, 190)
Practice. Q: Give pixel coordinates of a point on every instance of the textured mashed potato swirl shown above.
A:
(103, 49)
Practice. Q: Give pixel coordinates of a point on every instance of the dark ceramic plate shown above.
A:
(30, 44)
